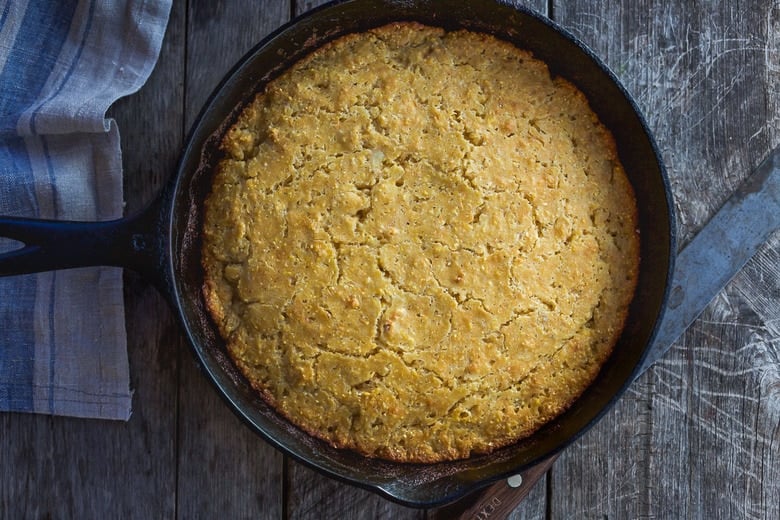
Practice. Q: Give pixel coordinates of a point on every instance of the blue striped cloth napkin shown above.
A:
(62, 64)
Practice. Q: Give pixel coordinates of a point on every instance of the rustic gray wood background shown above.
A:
(698, 436)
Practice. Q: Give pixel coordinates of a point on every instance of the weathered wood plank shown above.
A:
(224, 469)
(150, 121)
(56, 467)
(695, 436)
(762, 354)
(219, 34)
(313, 496)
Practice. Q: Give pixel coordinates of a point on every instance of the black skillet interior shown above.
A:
(431, 484)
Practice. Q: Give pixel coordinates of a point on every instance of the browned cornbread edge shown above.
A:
(546, 368)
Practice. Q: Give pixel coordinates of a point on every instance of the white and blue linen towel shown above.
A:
(62, 64)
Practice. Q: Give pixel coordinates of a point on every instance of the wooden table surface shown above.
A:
(698, 436)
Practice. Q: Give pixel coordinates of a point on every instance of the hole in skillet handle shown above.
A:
(422, 485)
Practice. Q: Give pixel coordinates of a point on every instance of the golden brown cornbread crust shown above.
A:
(419, 245)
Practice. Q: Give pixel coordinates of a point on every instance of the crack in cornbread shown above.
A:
(419, 245)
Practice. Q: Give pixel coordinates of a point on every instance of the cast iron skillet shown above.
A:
(163, 242)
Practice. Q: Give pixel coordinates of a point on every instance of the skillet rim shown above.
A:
(182, 182)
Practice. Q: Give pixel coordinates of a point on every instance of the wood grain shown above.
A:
(695, 436)
(224, 469)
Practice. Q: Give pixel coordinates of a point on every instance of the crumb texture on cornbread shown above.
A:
(419, 245)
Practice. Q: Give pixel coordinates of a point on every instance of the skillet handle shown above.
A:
(134, 242)
(499, 500)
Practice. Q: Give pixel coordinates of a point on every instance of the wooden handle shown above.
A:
(499, 500)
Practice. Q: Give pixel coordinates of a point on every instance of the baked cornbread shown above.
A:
(419, 245)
